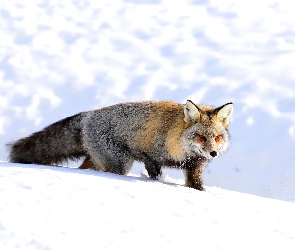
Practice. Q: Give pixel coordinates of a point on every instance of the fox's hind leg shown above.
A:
(106, 153)
(87, 164)
(114, 160)
(97, 164)
(120, 166)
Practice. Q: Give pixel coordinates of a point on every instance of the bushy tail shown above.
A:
(54, 144)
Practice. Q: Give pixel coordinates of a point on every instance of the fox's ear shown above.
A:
(191, 112)
(224, 113)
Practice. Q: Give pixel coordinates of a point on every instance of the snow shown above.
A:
(58, 58)
(62, 208)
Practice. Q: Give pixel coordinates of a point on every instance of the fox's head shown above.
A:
(206, 134)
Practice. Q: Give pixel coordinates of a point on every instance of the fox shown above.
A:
(158, 133)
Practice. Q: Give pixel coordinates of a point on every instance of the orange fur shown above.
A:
(173, 140)
(146, 135)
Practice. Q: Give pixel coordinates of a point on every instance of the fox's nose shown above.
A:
(213, 153)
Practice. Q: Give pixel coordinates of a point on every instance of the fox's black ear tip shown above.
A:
(230, 103)
(191, 102)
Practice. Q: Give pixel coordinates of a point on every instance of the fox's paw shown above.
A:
(155, 174)
(144, 174)
(157, 177)
(196, 185)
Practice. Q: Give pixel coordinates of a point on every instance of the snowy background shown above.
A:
(45, 208)
(58, 58)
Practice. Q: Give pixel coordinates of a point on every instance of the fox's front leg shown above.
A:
(152, 167)
(194, 175)
(154, 170)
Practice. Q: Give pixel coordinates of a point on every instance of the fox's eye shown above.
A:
(201, 138)
(218, 138)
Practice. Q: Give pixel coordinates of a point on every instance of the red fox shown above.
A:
(157, 133)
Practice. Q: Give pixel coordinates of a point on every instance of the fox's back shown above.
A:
(141, 126)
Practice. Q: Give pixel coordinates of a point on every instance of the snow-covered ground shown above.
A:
(58, 58)
(61, 208)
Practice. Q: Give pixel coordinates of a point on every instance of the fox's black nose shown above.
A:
(213, 153)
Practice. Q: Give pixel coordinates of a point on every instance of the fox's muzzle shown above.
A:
(213, 153)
